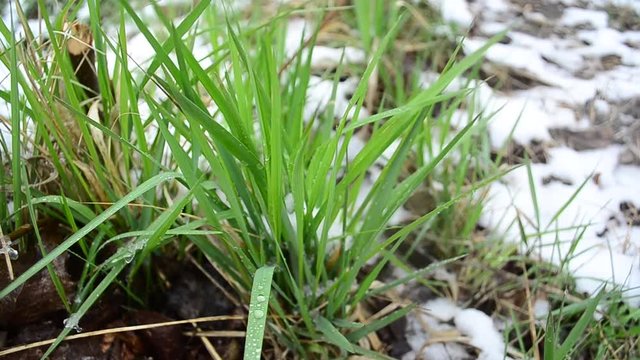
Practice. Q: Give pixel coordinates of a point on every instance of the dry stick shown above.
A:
(19, 348)
(372, 91)
(20, 231)
(211, 349)
(532, 318)
(217, 333)
(365, 317)
(208, 345)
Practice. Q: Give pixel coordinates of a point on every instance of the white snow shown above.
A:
(541, 309)
(442, 309)
(631, 4)
(439, 331)
(454, 11)
(299, 31)
(479, 327)
(320, 92)
(526, 59)
(578, 16)
(592, 258)
(606, 41)
(596, 257)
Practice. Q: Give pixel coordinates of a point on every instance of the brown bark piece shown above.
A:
(83, 57)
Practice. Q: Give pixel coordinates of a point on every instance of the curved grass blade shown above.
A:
(158, 229)
(379, 324)
(93, 224)
(426, 270)
(72, 321)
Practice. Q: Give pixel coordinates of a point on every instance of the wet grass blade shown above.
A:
(532, 189)
(258, 309)
(117, 263)
(71, 323)
(55, 279)
(93, 224)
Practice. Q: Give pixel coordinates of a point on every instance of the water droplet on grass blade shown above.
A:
(72, 322)
(5, 248)
(258, 312)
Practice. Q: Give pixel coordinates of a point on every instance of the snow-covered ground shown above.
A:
(581, 104)
(573, 68)
(450, 327)
(579, 101)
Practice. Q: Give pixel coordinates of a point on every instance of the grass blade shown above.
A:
(93, 224)
(332, 334)
(380, 323)
(258, 307)
(577, 332)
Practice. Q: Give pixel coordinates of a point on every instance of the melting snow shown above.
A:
(564, 66)
(440, 330)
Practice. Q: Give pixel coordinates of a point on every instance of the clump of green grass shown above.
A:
(259, 150)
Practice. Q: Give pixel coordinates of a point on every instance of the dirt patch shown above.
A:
(630, 212)
(515, 153)
(611, 122)
(623, 18)
(588, 139)
(34, 312)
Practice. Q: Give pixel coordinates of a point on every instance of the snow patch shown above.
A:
(578, 16)
(442, 319)
(454, 11)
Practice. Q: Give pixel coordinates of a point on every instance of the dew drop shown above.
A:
(72, 322)
(258, 314)
(260, 298)
(5, 248)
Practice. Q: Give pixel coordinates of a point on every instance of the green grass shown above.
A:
(118, 182)
(258, 312)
